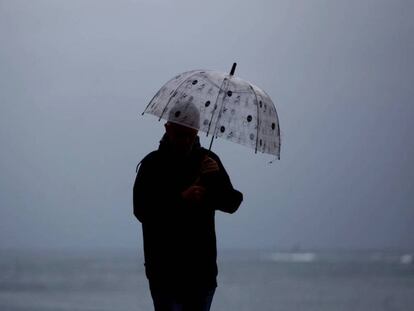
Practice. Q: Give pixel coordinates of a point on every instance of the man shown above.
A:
(177, 190)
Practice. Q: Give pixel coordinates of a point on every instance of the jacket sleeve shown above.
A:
(220, 192)
(151, 196)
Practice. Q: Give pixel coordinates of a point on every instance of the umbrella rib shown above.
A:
(150, 103)
(278, 128)
(215, 105)
(152, 100)
(257, 105)
(169, 100)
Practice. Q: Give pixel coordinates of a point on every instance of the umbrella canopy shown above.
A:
(222, 105)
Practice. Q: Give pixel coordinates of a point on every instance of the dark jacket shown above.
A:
(179, 239)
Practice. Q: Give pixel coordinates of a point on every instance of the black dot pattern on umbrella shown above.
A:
(195, 82)
(251, 136)
(260, 142)
(249, 118)
(229, 93)
(273, 126)
(207, 103)
(260, 104)
(222, 129)
(177, 113)
(205, 122)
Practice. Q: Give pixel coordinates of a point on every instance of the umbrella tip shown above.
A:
(233, 69)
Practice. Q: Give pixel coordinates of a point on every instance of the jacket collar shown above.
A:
(165, 147)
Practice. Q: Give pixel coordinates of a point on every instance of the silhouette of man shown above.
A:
(177, 190)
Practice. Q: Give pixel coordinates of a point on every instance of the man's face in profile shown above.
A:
(181, 137)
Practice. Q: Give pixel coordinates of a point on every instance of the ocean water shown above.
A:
(248, 280)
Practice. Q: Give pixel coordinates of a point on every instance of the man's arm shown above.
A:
(220, 192)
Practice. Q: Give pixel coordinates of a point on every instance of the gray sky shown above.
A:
(76, 75)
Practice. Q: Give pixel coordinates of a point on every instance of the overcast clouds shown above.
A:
(76, 75)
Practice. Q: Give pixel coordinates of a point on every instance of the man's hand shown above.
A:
(209, 165)
(194, 193)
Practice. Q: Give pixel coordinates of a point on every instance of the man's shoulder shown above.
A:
(150, 159)
(152, 155)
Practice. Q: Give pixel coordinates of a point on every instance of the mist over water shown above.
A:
(248, 280)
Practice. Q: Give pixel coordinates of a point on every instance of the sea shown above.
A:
(63, 280)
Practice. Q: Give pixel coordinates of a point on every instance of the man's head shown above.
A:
(185, 113)
(182, 126)
(181, 137)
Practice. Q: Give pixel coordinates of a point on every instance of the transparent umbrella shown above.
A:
(228, 107)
